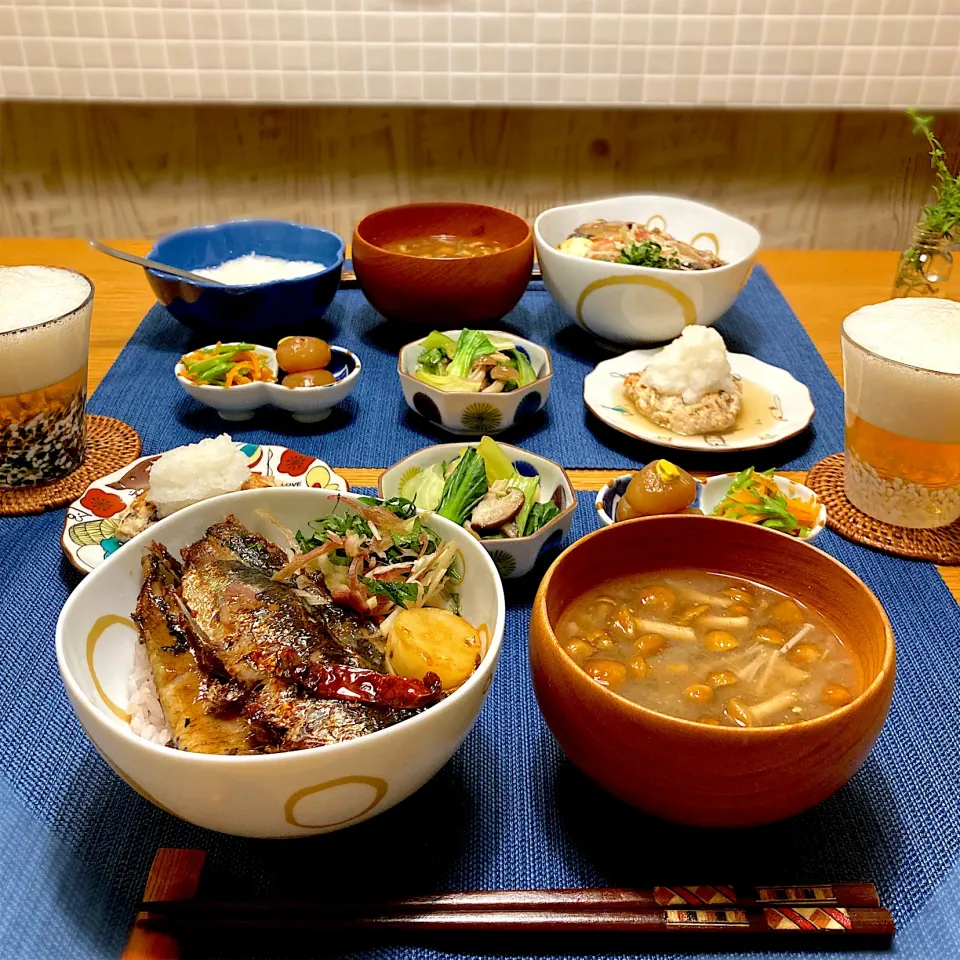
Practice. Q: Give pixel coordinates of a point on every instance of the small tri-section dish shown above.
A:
(306, 404)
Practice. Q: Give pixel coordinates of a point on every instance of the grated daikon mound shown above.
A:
(197, 472)
(691, 366)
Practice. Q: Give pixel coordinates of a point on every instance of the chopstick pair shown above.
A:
(836, 911)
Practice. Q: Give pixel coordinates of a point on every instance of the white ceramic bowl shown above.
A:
(306, 404)
(275, 795)
(516, 557)
(709, 495)
(474, 414)
(628, 305)
(712, 491)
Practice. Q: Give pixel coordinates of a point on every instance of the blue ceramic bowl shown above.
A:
(276, 309)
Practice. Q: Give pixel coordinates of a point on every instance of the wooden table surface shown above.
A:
(822, 287)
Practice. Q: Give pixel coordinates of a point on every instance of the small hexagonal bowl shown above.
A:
(476, 414)
(304, 404)
(513, 557)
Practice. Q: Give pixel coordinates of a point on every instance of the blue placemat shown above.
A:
(508, 810)
(142, 389)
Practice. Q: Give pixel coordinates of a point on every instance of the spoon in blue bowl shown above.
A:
(154, 264)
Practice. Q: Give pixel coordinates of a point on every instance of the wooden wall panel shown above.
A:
(806, 179)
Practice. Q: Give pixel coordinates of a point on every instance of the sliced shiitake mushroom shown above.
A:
(497, 508)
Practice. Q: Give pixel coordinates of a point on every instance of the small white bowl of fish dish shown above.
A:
(515, 504)
(304, 376)
(635, 270)
(475, 382)
(283, 662)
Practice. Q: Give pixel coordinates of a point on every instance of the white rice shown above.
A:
(254, 268)
(691, 366)
(146, 714)
(196, 472)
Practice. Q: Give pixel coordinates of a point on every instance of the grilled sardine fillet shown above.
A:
(299, 722)
(178, 677)
(231, 540)
(256, 628)
(361, 639)
(346, 626)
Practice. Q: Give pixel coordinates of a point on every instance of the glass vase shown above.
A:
(925, 266)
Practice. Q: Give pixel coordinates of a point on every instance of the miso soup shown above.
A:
(710, 648)
(444, 247)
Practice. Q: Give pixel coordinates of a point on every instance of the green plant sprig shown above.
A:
(943, 215)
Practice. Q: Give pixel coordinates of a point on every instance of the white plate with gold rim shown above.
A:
(775, 405)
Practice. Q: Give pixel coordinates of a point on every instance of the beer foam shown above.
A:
(919, 331)
(33, 295)
(38, 356)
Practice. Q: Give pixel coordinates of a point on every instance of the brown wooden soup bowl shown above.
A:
(464, 292)
(694, 773)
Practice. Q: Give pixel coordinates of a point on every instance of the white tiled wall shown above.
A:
(766, 53)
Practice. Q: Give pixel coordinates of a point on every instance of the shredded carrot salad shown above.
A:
(755, 498)
(227, 365)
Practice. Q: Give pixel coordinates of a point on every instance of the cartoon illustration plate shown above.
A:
(775, 405)
(91, 523)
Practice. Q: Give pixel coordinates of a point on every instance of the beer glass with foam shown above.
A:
(901, 367)
(44, 346)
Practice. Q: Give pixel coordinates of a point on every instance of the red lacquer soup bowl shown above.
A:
(718, 776)
(436, 292)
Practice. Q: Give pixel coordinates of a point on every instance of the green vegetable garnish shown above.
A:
(472, 345)
(425, 488)
(448, 382)
(399, 506)
(943, 215)
(524, 368)
(529, 487)
(500, 343)
(771, 506)
(215, 372)
(495, 461)
(440, 341)
(410, 539)
(464, 489)
(647, 254)
(400, 593)
(540, 515)
(433, 361)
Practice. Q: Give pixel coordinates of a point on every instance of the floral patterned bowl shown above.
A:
(91, 522)
(476, 414)
(513, 557)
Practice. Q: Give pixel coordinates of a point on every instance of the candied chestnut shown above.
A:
(660, 487)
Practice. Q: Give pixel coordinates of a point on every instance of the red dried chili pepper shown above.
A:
(337, 681)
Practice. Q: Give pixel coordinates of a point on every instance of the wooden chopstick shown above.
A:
(609, 898)
(174, 876)
(816, 921)
(835, 911)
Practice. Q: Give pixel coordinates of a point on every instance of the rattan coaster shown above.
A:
(111, 444)
(939, 546)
